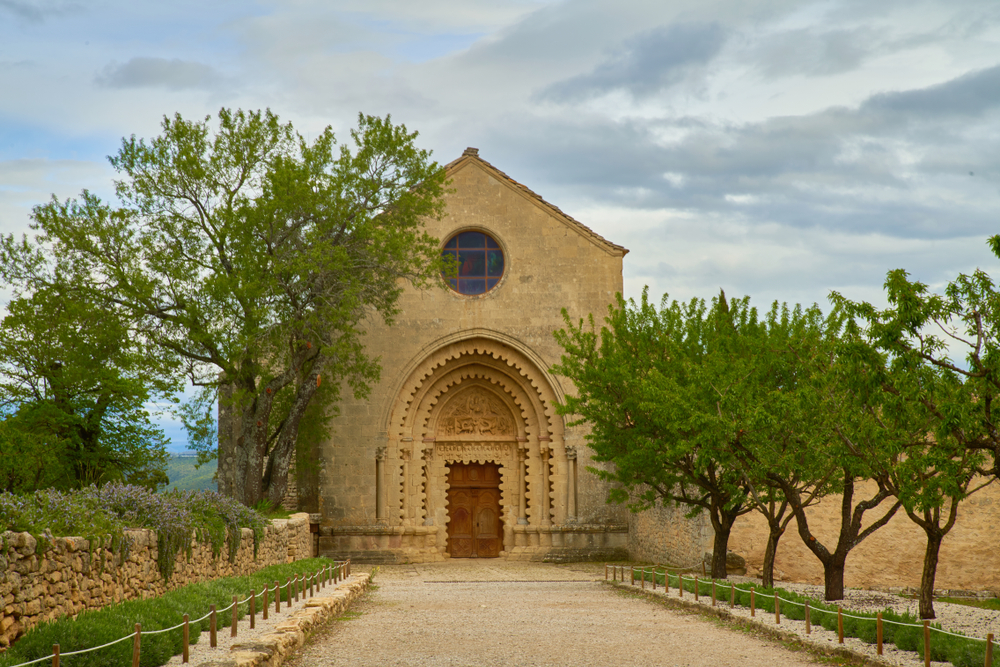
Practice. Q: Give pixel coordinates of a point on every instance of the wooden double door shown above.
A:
(475, 529)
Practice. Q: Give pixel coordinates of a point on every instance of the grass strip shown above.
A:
(959, 651)
(100, 626)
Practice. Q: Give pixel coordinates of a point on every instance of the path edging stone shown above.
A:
(274, 648)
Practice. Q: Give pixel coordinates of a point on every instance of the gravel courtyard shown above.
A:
(479, 612)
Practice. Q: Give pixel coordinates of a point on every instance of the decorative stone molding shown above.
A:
(475, 413)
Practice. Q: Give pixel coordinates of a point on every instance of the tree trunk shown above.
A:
(833, 576)
(770, 552)
(719, 550)
(934, 539)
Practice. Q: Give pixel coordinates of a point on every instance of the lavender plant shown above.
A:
(103, 514)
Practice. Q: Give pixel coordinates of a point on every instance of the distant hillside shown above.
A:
(184, 477)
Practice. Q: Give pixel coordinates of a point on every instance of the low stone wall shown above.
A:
(67, 577)
(891, 558)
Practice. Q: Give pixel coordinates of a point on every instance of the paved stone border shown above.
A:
(279, 643)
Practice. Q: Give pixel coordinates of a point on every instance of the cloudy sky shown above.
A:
(776, 148)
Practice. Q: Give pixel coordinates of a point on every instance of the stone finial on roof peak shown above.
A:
(471, 151)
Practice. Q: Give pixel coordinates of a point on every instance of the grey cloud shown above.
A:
(884, 168)
(813, 52)
(647, 63)
(35, 11)
(968, 95)
(173, 74)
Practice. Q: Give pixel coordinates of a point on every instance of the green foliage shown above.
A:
(664, 393)
(250, 258)
(73, 386)
(94, 628)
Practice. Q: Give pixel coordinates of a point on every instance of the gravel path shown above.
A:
(968, 620)
(498, 613)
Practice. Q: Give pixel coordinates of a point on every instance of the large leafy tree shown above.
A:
(252, 259)
(906, 366)
(661, 391)
(73, 391)
(783, 385)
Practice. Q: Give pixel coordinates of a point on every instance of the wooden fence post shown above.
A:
(927, 643)
(212, 641)
(264, 604)
(808, 623)
(878, 633)
(277, 597)
(186, 650)
(605, 570)
(680, 585)
(777, 610)
(989, 650)
(713, 592)
(666, 581)
(236, 610)
(55, 655)
(632, 575)
(753, 602)
(136, 644)
(696, 585)
(732, 595)
(642, 577)
(288, 592)
(840, 626)
(253, 609)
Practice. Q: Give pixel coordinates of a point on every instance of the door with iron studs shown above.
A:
(474, 526)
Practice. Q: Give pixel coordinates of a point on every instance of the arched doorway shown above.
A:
(475, 526)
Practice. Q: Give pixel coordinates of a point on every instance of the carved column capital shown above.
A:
(380, 453)
(570, 452)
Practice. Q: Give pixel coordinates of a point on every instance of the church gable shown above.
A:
(470, 160)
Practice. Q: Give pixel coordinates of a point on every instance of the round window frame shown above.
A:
(506, 263)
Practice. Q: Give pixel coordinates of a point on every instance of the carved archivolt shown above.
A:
(475, 412)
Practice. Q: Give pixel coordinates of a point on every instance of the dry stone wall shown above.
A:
(66, 577)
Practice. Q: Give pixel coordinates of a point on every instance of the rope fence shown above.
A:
(331, 574)
(650, 575)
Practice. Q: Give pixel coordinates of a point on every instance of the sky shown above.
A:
(780, 149)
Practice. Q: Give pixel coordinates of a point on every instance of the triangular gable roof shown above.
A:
(471, 155)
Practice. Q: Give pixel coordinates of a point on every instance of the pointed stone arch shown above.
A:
(477, 397)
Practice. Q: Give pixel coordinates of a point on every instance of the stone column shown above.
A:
(428, 481)
(380, 483)
(407, 502)
(544, 452)
(571, 484)
(522, 490)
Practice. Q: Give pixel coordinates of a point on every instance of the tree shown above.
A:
(73, 389)
(660, 390)
(252, 259)
(789, 357)
(904, 364)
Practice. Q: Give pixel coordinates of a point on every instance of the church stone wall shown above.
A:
(549, 265)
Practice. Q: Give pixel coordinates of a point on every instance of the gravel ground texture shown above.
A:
(491, 612)
(967, 620)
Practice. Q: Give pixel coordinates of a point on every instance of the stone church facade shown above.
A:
(458, 451)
